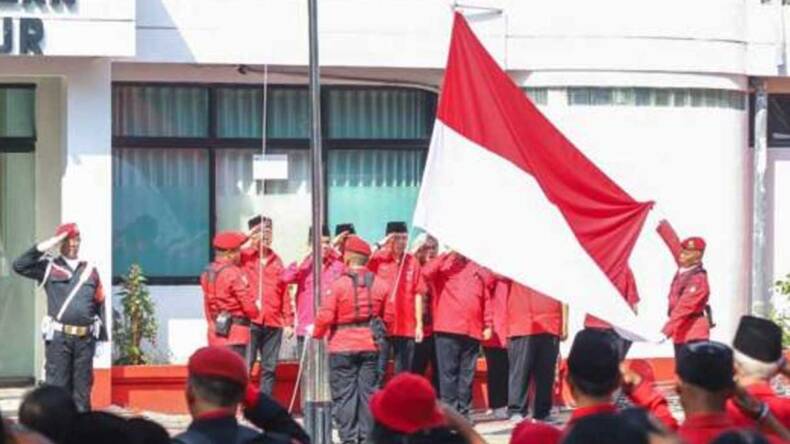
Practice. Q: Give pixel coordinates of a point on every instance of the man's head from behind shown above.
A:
(357, 251)
(48, 410)
(758, 349)
(593, 367)
(705, 373)
(217, 380)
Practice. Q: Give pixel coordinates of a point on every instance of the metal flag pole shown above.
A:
(318, 401)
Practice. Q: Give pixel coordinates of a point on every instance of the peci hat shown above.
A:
(324, 231)
(759, 339)
(407, 404)
(256, 220)
(356, 244)
(218, 362)
(706, 364)
(229, 240)
(341, 228)
(70, 228)
(396, 227)
(594, 357)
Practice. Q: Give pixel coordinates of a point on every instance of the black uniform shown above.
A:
(70, 348)
(268, 415)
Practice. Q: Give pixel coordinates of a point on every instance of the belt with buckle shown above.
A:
(73, 330)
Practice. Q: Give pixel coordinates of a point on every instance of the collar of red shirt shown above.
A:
(760, 389)
(582, 412)
(710, 420)
(216, 414)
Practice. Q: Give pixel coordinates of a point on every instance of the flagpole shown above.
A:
(318, 403)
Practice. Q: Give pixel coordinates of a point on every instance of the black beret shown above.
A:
(396, 227)
(339, 228)
(254, 221)
(594, 357)
(759, 339)
(706, 364)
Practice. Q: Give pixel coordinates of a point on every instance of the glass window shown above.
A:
(579, 96)
(239, 113)
(663, 97)
(539, 96)
(17, 111)
(378, 113)
(371, 187)
(287, 202)
(642, 97)
(160, 111)
(160, 211)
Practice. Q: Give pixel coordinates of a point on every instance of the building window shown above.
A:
(183, 158)
(539, 96)
(656, 97)
(17, 118)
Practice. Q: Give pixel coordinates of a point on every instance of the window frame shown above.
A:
(20, 144)
(212, 143)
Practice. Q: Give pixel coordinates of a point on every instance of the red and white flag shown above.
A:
(505, 188)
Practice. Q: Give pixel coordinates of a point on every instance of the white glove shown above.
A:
(51, 243)
(309, 329)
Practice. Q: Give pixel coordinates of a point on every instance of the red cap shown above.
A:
(229, 240)
(218, 362)
(407, 404)
(694, 243)
(355, 244)
(70, 228)
(529, 431)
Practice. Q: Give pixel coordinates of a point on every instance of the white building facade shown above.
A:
(140, 120)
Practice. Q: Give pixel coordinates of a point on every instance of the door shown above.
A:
(17, 229)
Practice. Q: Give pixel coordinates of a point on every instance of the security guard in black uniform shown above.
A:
(75, 317)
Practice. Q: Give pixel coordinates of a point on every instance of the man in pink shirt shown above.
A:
(301, 275)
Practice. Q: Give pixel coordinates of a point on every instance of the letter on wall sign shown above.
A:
(31, 34)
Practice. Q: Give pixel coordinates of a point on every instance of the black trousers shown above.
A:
(352, 379)
(497, 376)
(457, 355)
(266, 341)
(69, 364)
(385, 348)
(532, 359)
(403, 353)
(425, 354)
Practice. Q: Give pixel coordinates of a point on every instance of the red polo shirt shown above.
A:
(399, 310)
(460, 305)
(530, 312)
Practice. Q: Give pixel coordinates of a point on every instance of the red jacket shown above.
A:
(688, 297)
(779, 406)
(460, 304)
(399, 311)
(531, 313)
(499, 288)
(225, 288)
(269, 293)
(345, 322)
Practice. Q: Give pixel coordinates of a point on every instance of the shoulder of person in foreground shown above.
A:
(268, 415)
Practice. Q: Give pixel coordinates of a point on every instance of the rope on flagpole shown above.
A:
(299, 374)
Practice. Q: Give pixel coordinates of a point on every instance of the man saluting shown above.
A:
(75, 311)
(689, 311)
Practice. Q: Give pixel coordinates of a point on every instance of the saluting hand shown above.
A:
(52, 242)
(488, 333)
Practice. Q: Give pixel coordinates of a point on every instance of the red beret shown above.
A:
(70, 228)
(407, 404)
(229, 240)
(529, 431)
(218, 362)
(355, 244)
(694, 243)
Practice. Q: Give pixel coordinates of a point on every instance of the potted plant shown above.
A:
(136, 322)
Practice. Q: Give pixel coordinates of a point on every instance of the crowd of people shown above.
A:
(431, 313)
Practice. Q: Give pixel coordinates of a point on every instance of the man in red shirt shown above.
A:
(401, 273)
(227, 300)
(347, 309)
(495, 349)
(264, 271)
(425, 249)
(689, 311)
(758, 359)
(535, 326)
(462, 318)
